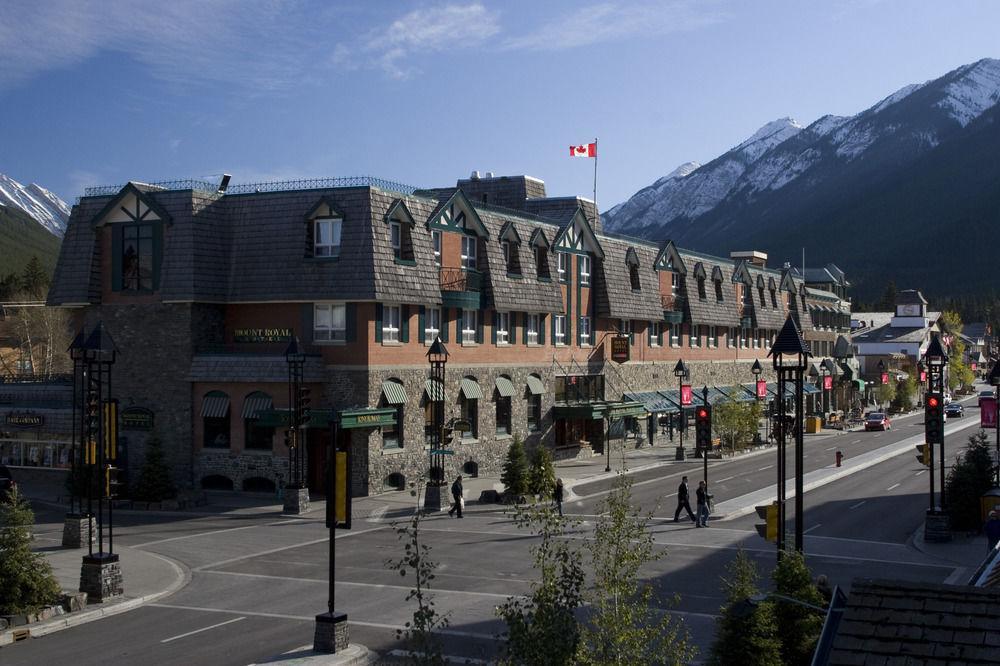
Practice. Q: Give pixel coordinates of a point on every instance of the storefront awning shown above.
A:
(810, 388)
(470, 389)
(504, 387)
(859, 384)
(255, 404)
(394, 393)
(535, 386)
(214, 406)
(434, 389)
(588, 411)
(653, 402)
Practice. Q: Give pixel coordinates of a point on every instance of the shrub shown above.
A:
(969, 478)
(542, 475)
(746, 634)
(26, 580)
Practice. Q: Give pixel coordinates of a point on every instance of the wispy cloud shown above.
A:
(614, 21)
(256, 45)
(436, 29)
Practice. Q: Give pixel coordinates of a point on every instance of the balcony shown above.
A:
(460, 288)
(673, 307)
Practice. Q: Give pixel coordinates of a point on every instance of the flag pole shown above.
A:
(597, 214)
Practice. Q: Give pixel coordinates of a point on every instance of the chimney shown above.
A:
(475, 175)
(752, 257)
(489, 174)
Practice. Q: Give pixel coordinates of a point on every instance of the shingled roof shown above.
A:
(615, 296)
(710, 310)
(889, 622)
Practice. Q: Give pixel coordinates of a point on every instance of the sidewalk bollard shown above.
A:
(840, 457)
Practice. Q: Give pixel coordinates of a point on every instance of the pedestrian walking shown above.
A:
(457, 495)
(992, 530)
(704, 504)
(683, 502)
(557, 495)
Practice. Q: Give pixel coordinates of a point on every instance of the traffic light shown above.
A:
(305, 398)
(769, 530)
(924, 454)
(703, 428)
(111, 481)
(934, 418)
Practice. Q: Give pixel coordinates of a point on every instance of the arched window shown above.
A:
(215, 420)
(502, 397)
(256, 437)
(468, 400)
(393, 396)
(632, 261)
(535, 390)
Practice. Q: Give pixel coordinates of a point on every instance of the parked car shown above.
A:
(877, 421)
(7, 483)
(954, 410)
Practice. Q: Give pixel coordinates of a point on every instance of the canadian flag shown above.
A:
(586, 150)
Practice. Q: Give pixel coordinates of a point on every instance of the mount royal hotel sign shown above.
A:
(262, 335)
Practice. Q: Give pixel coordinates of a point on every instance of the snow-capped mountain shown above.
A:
(49, 210)
(888, 135)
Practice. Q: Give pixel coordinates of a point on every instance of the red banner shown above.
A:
(885, 377)
(761, 389)
(988, 412)
(827, 383)
(973, 365)
(685, 395)
(923, 376)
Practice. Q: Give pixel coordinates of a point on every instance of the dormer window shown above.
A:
(436, 241)
(675, 283)
(506, 254)
(584, 270)
(469, 252)
(760, 292)
(774, 299)
(701, 289)
(718, 291)
(542, 262)
(563, 259)
(326, 236)
(395, 236)
(400, 238)
(137, 257)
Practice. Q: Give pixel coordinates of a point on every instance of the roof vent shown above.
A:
(489, 174)
(224, 183)
(475, 175)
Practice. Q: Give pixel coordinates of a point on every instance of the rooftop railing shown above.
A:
(461, 279)
(252, 188)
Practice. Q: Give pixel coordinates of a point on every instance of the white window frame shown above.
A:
(712, 342)
(584, 331)
(731, 337)
(432, 324)
(469, 334)
(675, 281)
(334, 226)
(656, 333)
(585, 265)
(436, 243)
(675, 335)
(330, 332)
(505, 246)
(563, 265)
(396, 239)
(559, 339)
(391, 322)
(503, 328)
(470, 246)
(743, 338)
(694, 336)
(755, 335)
(533, 325)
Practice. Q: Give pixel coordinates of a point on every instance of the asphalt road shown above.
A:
(258, 581)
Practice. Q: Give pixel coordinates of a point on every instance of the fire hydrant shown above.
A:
(840, 457)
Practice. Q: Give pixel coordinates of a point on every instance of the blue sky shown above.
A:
(100, 92)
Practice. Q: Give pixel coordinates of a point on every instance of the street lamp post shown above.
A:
(296, 495)
(790, 356)
(704, 451)
(881, 375)
(936, 360)
(756, 369)
(78, 524)
(824, 372)
(437, 356)
(681, 372)
(995, 383)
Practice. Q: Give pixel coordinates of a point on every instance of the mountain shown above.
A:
(21, 238)
(846, 189)
(49, 210)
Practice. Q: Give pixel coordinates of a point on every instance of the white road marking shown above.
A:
(728, 478)
(763, 468)
(349, 583)
(892, 487)
(223, 531)
(198, 631)
(855, 506)
(280, 616)
(920, 472)
(816, 526)
(278, 550)
(830, 449)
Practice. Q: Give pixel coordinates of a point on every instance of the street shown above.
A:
(258, 580)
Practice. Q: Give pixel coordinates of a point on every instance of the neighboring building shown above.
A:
(203, 290)
(975, 336)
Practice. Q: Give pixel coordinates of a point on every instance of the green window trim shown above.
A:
(378, 322)
(421, 323)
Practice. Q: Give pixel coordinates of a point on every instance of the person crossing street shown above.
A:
(683, 502)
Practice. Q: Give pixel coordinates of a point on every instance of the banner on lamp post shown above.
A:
(988, 413)
(827, 383)
(923, 376)
(761, 389)
(885, 377)
(685, 395)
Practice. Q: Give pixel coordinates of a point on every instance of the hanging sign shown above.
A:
(761, 389)
(988, 413)
(827, 383)
(136, 418)
(619, 349)
(885, 377)
(685, 395)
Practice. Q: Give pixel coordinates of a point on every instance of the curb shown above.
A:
(183, 577)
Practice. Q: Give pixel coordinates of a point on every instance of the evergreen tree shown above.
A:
(34, 279)
(969, 478)
(906, 392)
(800, 626)
(154, 483)
(26, 580)
(888, 302)
(746, 634)
(515, 469)
(542, 475)
(624, 625)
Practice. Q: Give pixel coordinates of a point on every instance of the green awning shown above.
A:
(394, 393)
(434, 389)
(255, 404)
(504, 387)
(470, 389)
(214, 406)
(535, 385)
(859, 384)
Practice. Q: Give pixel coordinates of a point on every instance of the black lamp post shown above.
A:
(296, 360)
(437, 356)
(704, 451)
(824, 372)
(995, 383)
(79, 387)
(790, 357)
(681, 372)
(756, 369)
